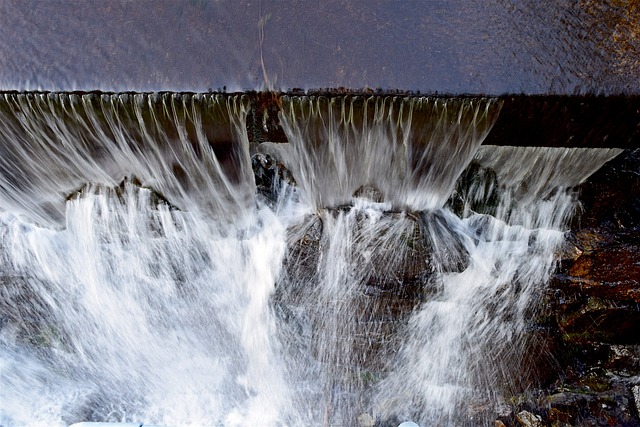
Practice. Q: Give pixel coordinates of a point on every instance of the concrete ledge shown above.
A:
(588, 121)
(568, 121)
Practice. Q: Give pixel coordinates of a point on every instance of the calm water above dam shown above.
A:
(476, 46)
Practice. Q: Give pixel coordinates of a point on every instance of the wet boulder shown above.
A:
(476, 190)
(444, 240)
(270, 176)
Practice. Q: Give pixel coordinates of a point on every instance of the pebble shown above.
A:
(527, 419)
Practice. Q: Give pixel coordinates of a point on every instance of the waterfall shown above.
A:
(381, 266)
(191, 148)
(411, 150)
(467, 345)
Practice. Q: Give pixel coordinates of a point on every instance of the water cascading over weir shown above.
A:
(375, 264)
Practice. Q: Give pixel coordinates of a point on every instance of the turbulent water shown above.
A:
(381, 266)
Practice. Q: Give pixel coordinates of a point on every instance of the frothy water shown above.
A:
(139, 312)
(143, 277)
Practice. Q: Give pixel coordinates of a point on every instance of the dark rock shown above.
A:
(610, 272)
(390, 287)
(599, 320)
(575, 404)
(569, 252)
(558, 418)
(270, 176)
(156, 198)
(370, 193)
(592, 308)
(611, 197)
(599, 279)
(476, 190)
(446, 245)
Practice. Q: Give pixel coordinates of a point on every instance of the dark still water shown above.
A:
(492, 46)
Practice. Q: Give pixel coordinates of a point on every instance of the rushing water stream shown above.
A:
(147, 275)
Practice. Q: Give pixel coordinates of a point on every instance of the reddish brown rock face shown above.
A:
(601, 286)
(612, 273)
(593, 305)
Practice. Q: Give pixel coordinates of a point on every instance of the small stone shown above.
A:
(370, 193)
(366, 420)
(527, 419)
(499, 423)
(568, 252)
(558, 399)
(636, 397)
(559, 418)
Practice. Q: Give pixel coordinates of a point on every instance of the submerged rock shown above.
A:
(370, 193)
(270, 175)
(476, 190)
(390, 267)
(155, 198)
(446, 245)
